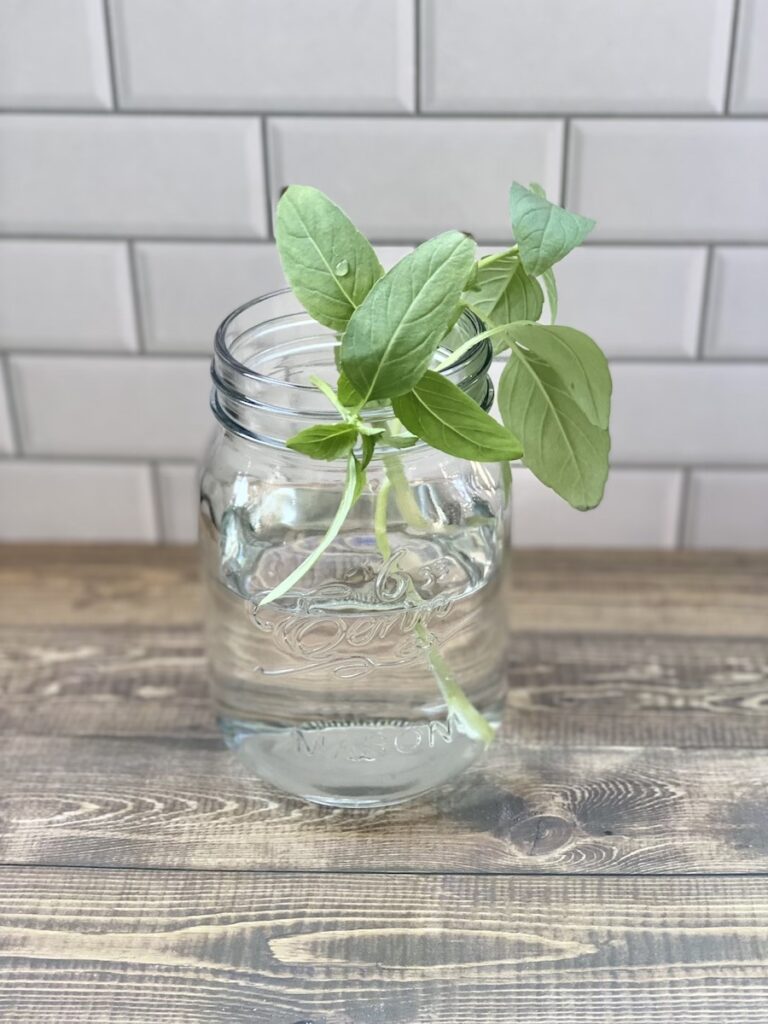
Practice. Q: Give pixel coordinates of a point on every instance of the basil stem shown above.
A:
(458, 704)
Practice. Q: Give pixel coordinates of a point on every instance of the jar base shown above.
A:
(354, 764)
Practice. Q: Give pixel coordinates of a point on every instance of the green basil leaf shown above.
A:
(543, 231)
(327, 442)
(562, 448)
(329, 264)
(550, 286)
(369, 443)
(502, 292)
(577, 361)
(347, 395)
(394, 333)
(444, 416)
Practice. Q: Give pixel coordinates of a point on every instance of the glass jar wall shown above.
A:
(349, 689)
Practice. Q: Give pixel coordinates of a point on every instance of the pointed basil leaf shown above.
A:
(348, 396)
(550, 286)
(543, 231)
(577, 361)
(324, 441)
(444, 416)
(502, 292)
(329, 264)
(369, 443)
(393, 335)
(562, 448)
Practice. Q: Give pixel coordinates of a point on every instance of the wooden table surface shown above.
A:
(607, 862)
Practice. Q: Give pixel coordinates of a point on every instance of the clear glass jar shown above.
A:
(336, 691)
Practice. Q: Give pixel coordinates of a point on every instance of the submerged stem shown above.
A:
(349, 497)
(457, 702)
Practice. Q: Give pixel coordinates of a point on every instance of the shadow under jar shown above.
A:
(336, 692)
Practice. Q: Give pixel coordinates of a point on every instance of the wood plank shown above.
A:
(705, 593)
(565, 690)
(179, 948)
(189, 804)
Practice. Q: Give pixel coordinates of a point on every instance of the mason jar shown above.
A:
(345, 690)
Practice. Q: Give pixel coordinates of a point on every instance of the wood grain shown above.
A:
(565, 690)
(671, 592)
(181, 948)
(190, 804)
(606, 864)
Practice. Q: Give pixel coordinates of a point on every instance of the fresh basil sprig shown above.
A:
(392, 331)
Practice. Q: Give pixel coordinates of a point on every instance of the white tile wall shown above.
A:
(671, 180)
(615, 294)
(179, 502)
(122, 406)
(6, 427)
(690, 414)
(188, 288)
(557, 55)
(406, 179)
(641, 508)
(54, 54)
(728, 509)
(131, 224)
(749, 92)
(737, 322)
(66, 295)
(101, 175)
(45, 501)
(274, 55)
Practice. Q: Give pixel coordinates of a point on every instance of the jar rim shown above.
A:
(221, 349)
(243, 395)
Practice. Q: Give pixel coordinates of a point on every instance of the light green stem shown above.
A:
(348, 499)
(457, 702)
(406, 502)
(471, 342)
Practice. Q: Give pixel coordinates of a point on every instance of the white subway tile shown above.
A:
(749, 88)
(640, 509)
(737, 317)
(276, 55)
(6, 429)
(637, 56)
(70, 501)
(671, 180)
(188, 288)
(139, 175)
(53, 54)
(112, 405)
(643, 302)
(179, 501)
(728, 509)
(699, 413)
(65, 295)
(405, 179)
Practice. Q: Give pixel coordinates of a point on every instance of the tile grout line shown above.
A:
(136, 298)
(417, 27)
(254, 240)
(109, 37)
(564, 163)
(200, 354)
(157, 501)
(194, 460)
(731, 57)
(705, 304)
(14, 417)
(681, 527)
(266, 150)
(394, 114)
